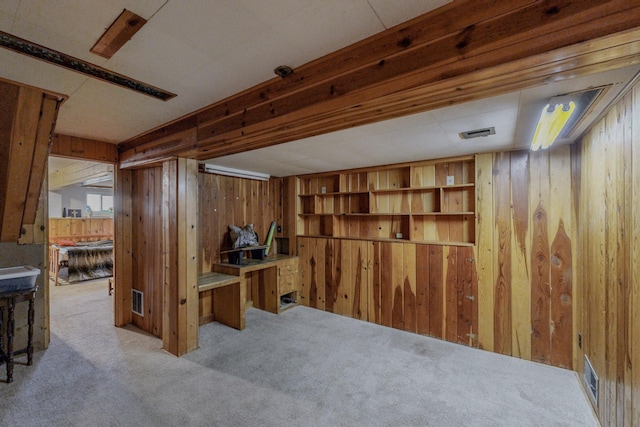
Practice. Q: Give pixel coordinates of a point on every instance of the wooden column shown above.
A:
(180, 290)
(123, 248)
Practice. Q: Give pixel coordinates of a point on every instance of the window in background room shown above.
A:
(99, 204)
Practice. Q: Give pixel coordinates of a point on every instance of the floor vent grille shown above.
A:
(591, 380)
(137, 302)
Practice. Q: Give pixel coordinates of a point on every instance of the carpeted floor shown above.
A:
(302, 368)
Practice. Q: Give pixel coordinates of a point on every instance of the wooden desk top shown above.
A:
(243, 249)
(249, 265)
(214, 280)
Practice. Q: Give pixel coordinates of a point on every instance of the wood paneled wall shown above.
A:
(147, 261)
(27, 118)
(425, 289)
(526, 255)
(80, 229)
(608, 191)
(226, 200)
(511, 293)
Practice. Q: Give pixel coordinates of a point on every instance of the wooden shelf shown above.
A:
(442, 213)
(380, 203)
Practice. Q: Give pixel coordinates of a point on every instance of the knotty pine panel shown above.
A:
(147, 247)
(526, 255)
(80, 229)
(528, 182)
(607, 179)
(225, 201)
(426, 289)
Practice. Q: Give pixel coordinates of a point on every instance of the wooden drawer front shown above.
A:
(288, 283)
(289, 266)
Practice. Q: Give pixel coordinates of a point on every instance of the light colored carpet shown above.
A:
(302, 368)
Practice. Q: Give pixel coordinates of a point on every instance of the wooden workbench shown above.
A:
(265, 281)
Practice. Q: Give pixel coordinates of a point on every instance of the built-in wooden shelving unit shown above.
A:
(422, 202)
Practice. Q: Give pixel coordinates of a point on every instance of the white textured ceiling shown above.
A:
(206, 50)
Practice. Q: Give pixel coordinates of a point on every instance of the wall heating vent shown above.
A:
(137, 302)
(591, 380)
(477, 133)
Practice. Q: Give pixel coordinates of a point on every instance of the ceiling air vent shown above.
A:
(477, 133)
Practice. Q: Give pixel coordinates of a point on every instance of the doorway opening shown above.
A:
(81, 225)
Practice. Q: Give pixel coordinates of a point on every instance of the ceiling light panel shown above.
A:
(34, 50)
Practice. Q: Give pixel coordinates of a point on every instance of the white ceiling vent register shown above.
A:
(477, 133)
(137, 302)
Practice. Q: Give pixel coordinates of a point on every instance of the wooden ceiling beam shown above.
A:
(284, 110)
(82, 148)
(515, 76)
(126, 25)
(439, 23)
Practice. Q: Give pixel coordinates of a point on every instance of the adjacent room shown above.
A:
(320, 212)
(80, 220)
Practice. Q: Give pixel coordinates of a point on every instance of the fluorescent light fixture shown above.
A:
(553, 118)
(238, 173)
(98, 179)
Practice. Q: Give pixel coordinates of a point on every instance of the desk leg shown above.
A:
(228, 305)
(30, 337)
(10, 330)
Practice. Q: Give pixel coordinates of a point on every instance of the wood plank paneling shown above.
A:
(451, 294)
(386, 283)
(359, 256)
(484, 251)
(561, 260)
(466, 295)
(123, 245)
(46, 123)
(321, 265)
(17, 162)
(80, 229)
(540, 260)
(608, 179)
(409, 273)
(225, 201)
(417, 288)
(27, 118)
(375, 283)
(521, 190)
(633, 377)
(422, 289)
(502, 293)
(147, 247)
(436, 291)
(540, 289)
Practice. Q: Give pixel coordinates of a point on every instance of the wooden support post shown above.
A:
(123, 248)
(180, 291)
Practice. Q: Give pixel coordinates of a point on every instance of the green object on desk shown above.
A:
(269, 237)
